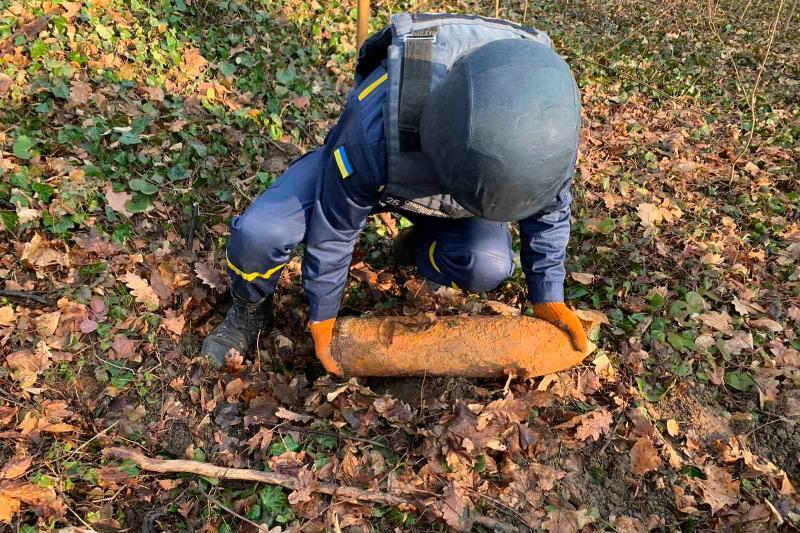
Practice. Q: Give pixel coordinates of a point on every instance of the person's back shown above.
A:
(461, 144)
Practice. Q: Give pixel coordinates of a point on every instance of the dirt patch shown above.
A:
(606, 483)
(696, 407)
(176, 438)
(779, 441)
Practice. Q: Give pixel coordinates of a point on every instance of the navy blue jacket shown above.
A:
(356, 148)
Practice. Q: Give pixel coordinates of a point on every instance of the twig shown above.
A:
(227, 509)
(22, 295)
(752, 100)
(272, 478)
(192, 227)
(177, 466)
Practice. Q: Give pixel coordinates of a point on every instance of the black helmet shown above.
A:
(501, 129)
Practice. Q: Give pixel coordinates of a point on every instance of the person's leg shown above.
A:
(473, 254)
(264, 236)
(261, 243)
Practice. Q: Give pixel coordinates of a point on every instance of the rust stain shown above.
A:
(469, 346)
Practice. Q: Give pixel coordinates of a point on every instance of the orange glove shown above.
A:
(558, 314)
(322, 332)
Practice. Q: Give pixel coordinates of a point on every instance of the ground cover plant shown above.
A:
(131, 133)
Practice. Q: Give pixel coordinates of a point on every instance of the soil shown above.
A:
(779, 441)
(696, 408)
(176, 439)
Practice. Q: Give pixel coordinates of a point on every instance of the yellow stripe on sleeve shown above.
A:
(372, 86)
(250, 276)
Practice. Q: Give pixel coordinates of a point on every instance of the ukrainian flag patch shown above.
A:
(342, 162)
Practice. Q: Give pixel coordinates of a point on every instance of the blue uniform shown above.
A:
(323, 201)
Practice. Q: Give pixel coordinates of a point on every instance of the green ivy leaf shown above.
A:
(139, 203)
(741, 381)
(142, 186)
(23, 147)
(178, 172)
(694, 302)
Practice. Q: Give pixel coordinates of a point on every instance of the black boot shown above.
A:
(239, 330)
(404, 247)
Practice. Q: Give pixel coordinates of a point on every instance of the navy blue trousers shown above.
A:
(471, 253)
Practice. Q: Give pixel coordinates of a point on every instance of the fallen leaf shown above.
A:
(501, 309)
(16, 467)
(87, 326)
(7, 316)
(456, 508)
(717, 321)
(168, 484)
(644, 457)
(673, 428)
(752, 168)
(142, 291)
(80, 93)
(117, 200)
(301, 102)
(767, 324)
(649, 214)
(741, 340)
(209, 275)
(294, 417)
(711, 259)
(174, 322)
(794, 313)
(43, 501)
(583, 278)
(192, 63)
(591, 425)
(304, 488)
(123, 347)
(719, 489)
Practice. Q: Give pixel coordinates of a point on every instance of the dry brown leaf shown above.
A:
(123, 347)
(501, 309)
(117, 200)
(39, 253)
(174, 322)
(192, 63)
(142, 291)
(767, 324)
(305, 487)
(740, 341)
(644, 457)
(209, 275)
(717, 321)
(673, 428)
(16, 467)
(794, 313)
(80, 93)
(47, 323)
(649, 214)
(26, 364)
(719, 488)
(43, 501)
(294, 417)
(591, 425)
(7, 317)
(456, 508)
(584, 278)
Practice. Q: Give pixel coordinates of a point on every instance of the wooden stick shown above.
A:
(180, 466)
(22, 295)
(362, 29)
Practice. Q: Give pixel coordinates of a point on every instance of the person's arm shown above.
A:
(544, 238)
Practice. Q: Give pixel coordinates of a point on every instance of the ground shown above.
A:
(133, 131)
